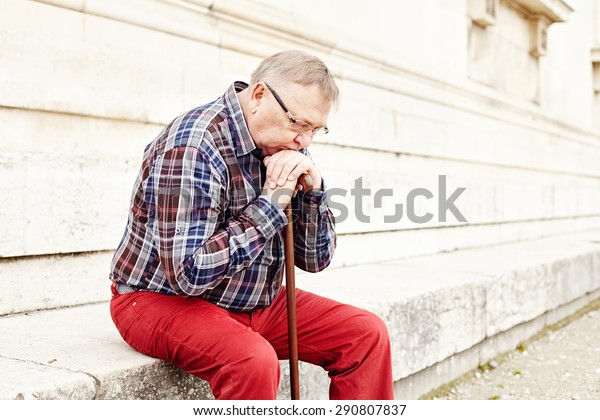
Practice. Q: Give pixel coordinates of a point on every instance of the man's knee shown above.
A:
(371, 329)
(253, 374)
(265, 358)
(260, 360)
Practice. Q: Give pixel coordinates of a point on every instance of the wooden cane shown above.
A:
(290, 284)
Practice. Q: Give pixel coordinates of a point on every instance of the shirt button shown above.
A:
(177, 230)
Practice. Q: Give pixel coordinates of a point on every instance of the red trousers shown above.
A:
(238, 352)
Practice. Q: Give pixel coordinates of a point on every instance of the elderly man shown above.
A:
(197, 277)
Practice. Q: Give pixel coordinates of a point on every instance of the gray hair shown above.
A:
(297, 67)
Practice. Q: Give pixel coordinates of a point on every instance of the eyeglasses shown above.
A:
(298, 126)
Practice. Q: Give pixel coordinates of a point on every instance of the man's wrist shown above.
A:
(266, 215)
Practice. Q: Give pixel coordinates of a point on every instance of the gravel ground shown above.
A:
(563, 364)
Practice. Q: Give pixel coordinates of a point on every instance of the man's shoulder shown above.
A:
(194, 127)
(210, 128)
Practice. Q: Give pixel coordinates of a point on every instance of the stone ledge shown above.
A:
(446, 314)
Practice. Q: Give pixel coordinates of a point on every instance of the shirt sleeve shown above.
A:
(314, 231)
(198, 247)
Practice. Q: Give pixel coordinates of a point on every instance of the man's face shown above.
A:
(272, 129)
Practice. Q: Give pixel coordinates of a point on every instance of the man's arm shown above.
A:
(314, 224)
(197, 249)
(314, 231)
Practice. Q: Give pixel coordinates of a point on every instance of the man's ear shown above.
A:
(257, 93)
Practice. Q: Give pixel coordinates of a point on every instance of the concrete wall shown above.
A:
(86, 84)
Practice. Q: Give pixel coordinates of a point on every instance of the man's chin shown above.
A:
(271, 151)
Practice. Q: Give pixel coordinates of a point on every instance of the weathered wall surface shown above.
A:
(85, 85)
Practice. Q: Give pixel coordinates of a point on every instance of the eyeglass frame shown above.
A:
(315, 131)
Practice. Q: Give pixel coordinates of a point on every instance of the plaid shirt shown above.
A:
(197, 223)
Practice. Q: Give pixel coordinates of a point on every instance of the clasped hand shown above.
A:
(283, 170)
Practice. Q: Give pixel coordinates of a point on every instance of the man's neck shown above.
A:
(243, 100)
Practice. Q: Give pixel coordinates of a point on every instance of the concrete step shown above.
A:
(446, 313)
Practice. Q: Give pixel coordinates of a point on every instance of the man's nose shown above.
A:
(304, 139)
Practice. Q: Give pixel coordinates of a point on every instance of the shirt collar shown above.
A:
(243, 141)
